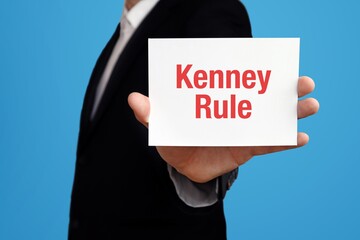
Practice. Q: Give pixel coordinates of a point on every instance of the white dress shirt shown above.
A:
(193, 194)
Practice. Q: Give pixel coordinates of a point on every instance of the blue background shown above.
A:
(47, 52)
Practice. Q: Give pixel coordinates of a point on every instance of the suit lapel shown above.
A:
(134, 47)
(85, 123)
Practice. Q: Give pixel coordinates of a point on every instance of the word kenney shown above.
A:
(219, 79)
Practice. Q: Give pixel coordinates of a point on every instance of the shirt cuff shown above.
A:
(194, 194)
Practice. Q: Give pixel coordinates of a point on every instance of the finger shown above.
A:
(305, 86)
(307, 107)
(141, 106)
(302, 139)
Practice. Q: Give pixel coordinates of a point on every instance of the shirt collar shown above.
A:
(138, 12)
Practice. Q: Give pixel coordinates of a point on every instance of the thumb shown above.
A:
(140, 104)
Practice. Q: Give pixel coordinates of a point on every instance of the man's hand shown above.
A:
(201, 164)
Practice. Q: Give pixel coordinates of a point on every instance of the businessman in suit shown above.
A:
(125, 189)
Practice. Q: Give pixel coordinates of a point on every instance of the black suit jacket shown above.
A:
(121, 185)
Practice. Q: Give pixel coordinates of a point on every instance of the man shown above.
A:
(124, 189)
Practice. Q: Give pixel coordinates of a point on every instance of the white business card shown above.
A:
(223, 91)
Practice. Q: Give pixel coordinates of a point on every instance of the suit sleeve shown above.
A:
(214, 18)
